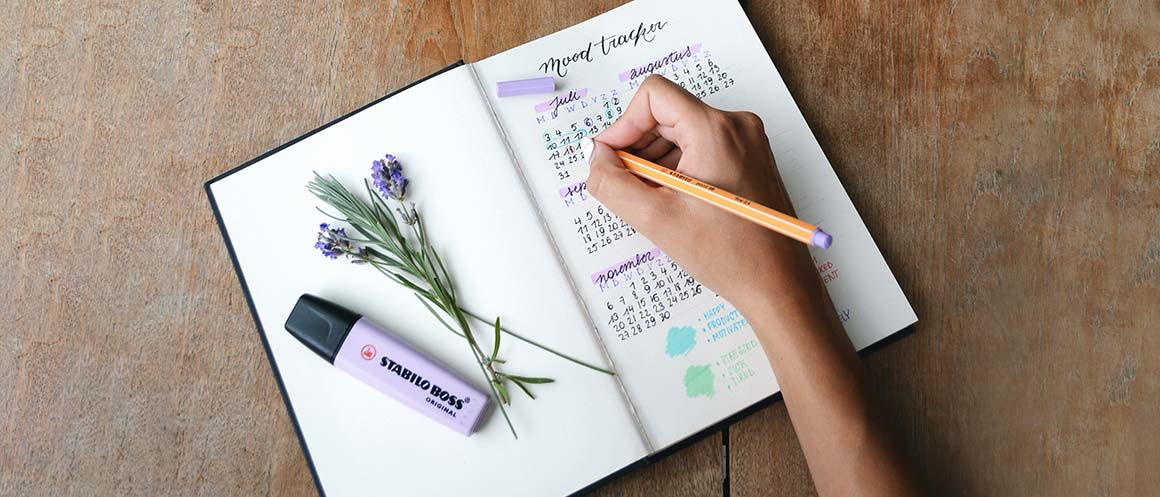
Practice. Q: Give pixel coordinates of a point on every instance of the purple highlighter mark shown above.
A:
(574, 189)
(575, 193)
(612, 272)
(660, 63)
(559, 100)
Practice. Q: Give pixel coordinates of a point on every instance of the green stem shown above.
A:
(476, 317)
(544, 347)
(490, 383)
(474, 354)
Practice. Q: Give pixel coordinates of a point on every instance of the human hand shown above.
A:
(740, 260)
(769, 277)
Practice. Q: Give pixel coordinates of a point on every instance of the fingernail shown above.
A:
(586, 146)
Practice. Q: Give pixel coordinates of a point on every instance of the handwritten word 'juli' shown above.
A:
(557, 101)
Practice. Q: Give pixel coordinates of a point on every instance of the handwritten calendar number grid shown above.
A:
(649, 295)
(646, 296)
(600, 228)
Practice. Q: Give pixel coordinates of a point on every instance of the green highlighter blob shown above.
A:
(699, 381)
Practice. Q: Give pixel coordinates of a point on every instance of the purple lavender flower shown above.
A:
(387, 174)
(410, 215)
(360, 256)
(332, 242)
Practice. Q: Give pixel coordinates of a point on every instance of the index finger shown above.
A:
(658, 105)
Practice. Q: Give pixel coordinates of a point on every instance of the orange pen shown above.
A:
(742, 207)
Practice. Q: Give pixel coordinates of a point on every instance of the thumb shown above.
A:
(639, 204)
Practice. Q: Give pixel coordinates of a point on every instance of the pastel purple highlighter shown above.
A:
(546, 84)
(357, 346)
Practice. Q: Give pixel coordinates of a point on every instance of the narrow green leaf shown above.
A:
(541, 346)
(495, 348)
(437, 316)
(327, 214)
(531, 379)
(522, 387)
(503, 395)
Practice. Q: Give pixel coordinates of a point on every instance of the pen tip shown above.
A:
(821, 238)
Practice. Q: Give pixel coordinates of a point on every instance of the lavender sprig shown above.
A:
(333, 243)
(388, 177)
(402, 252)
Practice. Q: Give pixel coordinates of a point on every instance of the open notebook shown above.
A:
(500, 184)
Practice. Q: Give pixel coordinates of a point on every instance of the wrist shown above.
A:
(787, 301)
(777, 310)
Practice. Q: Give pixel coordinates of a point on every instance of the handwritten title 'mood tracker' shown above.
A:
(642, 32)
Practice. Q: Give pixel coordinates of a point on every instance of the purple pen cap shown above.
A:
(821, 238)
(546, 84)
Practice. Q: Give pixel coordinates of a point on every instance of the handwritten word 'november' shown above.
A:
(642, 32)
(638, 260)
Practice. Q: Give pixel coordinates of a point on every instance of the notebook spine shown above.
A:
(543, 220)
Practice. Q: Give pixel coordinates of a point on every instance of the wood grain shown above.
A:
(1006, 157)
(1004, 154)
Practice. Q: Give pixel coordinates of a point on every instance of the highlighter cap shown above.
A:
(320, 324)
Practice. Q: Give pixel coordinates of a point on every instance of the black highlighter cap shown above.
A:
(320, 324)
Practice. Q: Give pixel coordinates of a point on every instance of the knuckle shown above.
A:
(748, 129)
(750, 121)
(652, 81)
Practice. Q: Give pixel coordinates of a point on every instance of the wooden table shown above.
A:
(1005, 155)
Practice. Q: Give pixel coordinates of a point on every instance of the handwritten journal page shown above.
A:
(686, 357)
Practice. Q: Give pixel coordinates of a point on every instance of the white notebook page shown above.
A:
(482, 222)
(687, 358)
